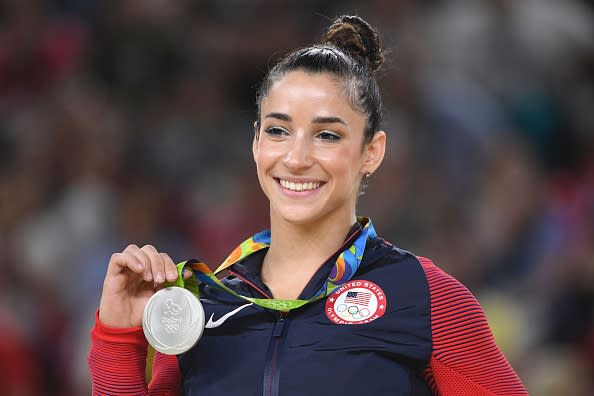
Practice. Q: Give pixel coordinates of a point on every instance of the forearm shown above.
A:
(117, 362)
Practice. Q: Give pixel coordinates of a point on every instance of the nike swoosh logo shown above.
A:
(216, 323)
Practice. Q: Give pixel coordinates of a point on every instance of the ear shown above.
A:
(374, 152)
(256, 139)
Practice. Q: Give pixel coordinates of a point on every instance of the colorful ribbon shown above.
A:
(345, 267)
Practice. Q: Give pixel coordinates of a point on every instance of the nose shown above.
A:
(299, 152)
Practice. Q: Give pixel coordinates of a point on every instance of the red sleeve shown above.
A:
(465, 359)
(117, 362)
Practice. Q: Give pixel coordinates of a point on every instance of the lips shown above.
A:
(300, 186)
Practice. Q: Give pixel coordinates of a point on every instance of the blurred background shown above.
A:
(130, 121)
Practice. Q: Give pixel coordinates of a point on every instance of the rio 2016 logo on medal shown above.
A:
(356, 302)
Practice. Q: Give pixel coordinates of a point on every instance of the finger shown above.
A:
(187, 273)
(157, 263)
(170, 268)
(142, 257)
(121, 261)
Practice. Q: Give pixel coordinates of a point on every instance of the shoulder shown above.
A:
(419, 275)
(438, 279)
(465, 357)
(457, 318)
(449, 297)
(381, 254)
(398, 271)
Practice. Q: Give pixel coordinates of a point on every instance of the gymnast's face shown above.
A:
(309, 150)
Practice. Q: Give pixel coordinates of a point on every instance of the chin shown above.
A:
(298, 218)
(308, 215)
(296, 215)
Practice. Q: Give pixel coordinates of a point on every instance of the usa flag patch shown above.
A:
(356, 302)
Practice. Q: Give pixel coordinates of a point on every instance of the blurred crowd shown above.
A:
(130, 121)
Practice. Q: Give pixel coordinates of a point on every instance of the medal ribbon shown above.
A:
(345, 267)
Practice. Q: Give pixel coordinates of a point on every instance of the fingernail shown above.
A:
(148, 276)
(138, 265)
(171, 275)
(159, 277)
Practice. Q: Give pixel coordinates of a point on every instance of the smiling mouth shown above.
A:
(292, 186)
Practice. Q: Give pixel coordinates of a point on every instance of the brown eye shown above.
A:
(276, 131)
(328, 135)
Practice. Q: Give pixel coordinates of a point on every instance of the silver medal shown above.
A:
(173, 320)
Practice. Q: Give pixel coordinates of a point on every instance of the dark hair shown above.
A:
(351, 52)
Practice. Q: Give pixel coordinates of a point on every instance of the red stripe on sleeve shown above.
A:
(166, 376)
(117, 362)
(465, 359)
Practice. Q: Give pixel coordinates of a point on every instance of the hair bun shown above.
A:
(355, 36)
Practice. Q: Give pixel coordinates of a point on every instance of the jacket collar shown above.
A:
(250, 267)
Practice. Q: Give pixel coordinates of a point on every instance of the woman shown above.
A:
(374, 319)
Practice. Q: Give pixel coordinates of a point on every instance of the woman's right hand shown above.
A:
(133, 276)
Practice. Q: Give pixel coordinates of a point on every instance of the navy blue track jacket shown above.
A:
(304, 351)
(400, 326)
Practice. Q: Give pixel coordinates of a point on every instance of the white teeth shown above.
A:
(299, 186)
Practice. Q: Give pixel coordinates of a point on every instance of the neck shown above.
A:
(298, 250)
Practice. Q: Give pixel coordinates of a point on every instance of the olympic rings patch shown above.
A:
(356, 302)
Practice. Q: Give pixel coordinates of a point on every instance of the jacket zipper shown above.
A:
(271, 368)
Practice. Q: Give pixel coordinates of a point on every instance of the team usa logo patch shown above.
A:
(356, 302)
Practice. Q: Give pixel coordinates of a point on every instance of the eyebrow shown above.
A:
(328, 120)
(316, 120)
(278, 116)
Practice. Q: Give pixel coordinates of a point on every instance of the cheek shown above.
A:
(343, 163)
(267, 155)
